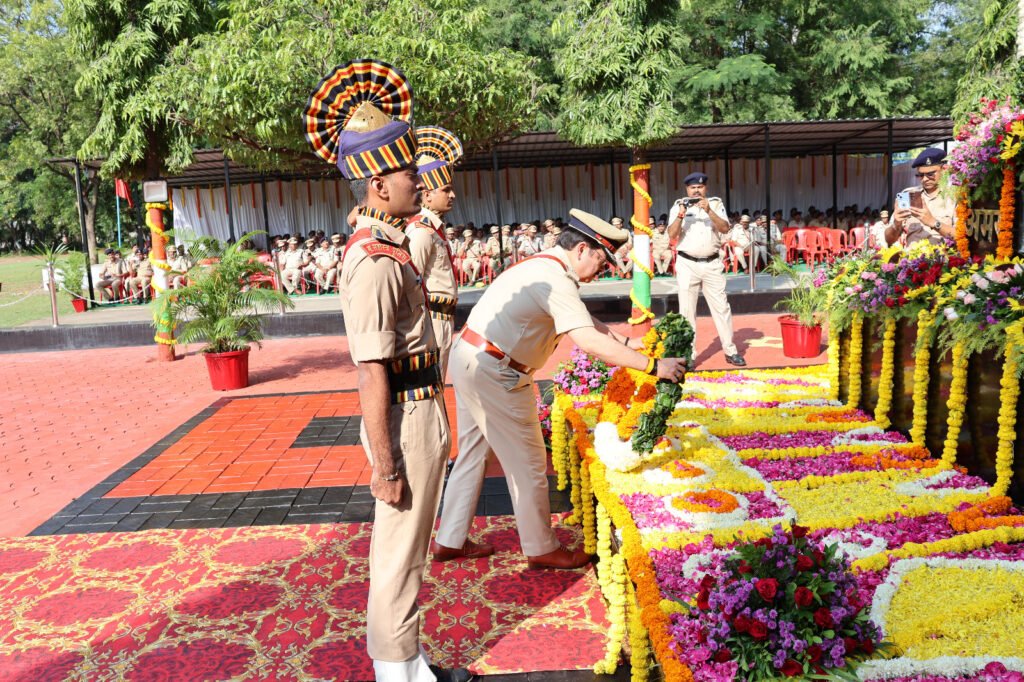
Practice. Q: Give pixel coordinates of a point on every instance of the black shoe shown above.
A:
(736, 359)
(452, 674)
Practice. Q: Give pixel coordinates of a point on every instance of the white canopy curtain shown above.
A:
(528, 194)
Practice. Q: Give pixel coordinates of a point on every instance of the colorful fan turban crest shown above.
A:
(438, 150)
(359, 117)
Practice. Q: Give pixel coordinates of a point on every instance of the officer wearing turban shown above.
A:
(359, 118)
(438, 151)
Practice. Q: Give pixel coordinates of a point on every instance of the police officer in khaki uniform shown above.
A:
(113, 274)
(931, 219)
(512, 330)
(349, 121)
(661, 248)
(470, 253)
(139, 283)
(699, 224)
(292, 261)
(439, 150)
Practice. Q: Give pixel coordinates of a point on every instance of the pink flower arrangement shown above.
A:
(582, 374)
(975, 163)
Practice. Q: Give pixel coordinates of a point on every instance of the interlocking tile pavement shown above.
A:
(70, 419)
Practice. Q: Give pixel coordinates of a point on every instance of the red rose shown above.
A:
(764, 542)
(758, 630)
(744, 568)
(702, 636)
(741, 624)
(803, 597)
(767, 588)
(851, 645)
(707, 582)
(702, 600)
(800, 531)
(804, 563)
(867, 646)
(823, 617)
(890, 302)
(722, 655)
(819, 557)
(814, 653)
(791, 668)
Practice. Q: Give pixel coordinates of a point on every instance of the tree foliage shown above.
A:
(991, 67)
(246, 85)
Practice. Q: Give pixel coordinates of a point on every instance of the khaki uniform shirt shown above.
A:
(473, 251)
(114, 269)
(699, 238)
(550, 239)
(739, 236)
(327, 258)
(492, 247)
(527, 309)
(943, 208)
(382, 297)
(144, 268)
(430, 254)
(178, 264)
(293, 260)
(529, 246)
(660, 242)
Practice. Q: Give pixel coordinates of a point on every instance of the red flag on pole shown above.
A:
(121, 190)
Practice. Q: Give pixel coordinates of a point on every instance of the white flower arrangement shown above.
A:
(702, 521)
(616, 454)
(921, 486)
(849, 542)
(946, 666)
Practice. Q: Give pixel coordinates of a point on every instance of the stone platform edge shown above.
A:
(85, 336)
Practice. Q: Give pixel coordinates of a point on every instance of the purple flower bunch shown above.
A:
(985, 301)
(884, 287)
(780, 606)
(582, 374)
(976, 160)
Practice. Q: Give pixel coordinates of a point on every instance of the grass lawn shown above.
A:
(20, 277)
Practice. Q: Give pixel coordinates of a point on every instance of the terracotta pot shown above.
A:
(78, 304)
(798, 340)
(228, 371)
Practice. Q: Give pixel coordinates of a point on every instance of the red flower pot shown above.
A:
(228, 371)
(78, 304)
(798, 340)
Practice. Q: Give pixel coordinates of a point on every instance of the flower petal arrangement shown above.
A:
(774, 532)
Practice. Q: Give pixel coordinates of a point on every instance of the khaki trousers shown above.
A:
(443, 330)
(400, 539)
(710, 277)
(497, 411)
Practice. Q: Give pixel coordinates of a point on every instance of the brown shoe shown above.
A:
(560, 558)
(469, 550)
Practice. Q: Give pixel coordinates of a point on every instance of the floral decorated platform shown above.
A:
(772, 521)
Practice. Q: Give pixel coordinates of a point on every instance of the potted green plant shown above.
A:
(73, 269)
(806, 303)
(220, 307)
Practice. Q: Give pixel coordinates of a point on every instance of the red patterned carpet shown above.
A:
(273, 603)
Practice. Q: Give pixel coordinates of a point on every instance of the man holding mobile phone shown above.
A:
(929, 215)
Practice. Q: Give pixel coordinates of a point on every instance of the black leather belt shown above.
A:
(695, 259)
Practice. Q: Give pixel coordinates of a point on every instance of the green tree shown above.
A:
(42, 118)
(245, 86)
(126, 45)
(993, 69)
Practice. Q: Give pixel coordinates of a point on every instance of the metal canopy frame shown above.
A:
(789, 139)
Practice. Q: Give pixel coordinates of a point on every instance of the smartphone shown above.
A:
(903, 200)
(916, 201)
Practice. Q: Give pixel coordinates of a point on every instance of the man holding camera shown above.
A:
(699, 224)
(927, 215)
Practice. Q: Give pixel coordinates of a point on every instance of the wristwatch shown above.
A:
(392, 478)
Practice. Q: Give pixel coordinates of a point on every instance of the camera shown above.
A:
(690, 201)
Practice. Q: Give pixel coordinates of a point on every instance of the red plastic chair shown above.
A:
(789, 240)
(809, 246)
(858, 236)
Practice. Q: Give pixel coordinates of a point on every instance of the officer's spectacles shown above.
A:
(930, 175)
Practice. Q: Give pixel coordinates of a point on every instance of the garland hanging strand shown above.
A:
(833, 355)
(956, 404)
(963, 213)
(1004, 234)
(856, 361)
(1009, 392)
(161, 316)
(922, 356)
(885, 378)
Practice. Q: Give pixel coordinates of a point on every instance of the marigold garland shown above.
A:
(983, 515)
(963, 213)
(1004, 233)
(856, 360)
(922, 356)
(833, 354)
(885, 387)
(559, 439)
(958, 543)
(612, 577)
(956, 404)
(1009, 392)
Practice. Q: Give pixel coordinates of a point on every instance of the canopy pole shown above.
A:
(835, 190)
(614, 189)
(497, 208)
(85, 234)
(728, 184)
(888, 165)
(767, 201)
(266, 214)
(227, 199)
